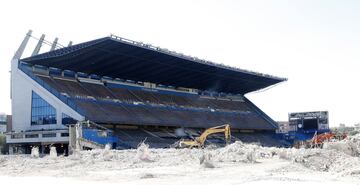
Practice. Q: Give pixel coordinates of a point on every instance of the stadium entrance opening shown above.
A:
(310, 124)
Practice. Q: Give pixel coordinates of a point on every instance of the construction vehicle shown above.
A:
(199, 142)
(319, 139)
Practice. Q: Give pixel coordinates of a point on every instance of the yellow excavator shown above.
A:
(199, 142)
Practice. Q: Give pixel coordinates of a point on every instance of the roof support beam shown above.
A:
(38, 45)
(22, 46)
(53, 46)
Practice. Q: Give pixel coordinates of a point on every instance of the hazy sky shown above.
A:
(313, 43)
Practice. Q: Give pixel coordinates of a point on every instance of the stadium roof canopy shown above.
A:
(117, 57)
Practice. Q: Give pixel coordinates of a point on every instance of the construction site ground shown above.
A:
(238, 163)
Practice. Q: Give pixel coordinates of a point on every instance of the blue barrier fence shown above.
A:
(99, 136)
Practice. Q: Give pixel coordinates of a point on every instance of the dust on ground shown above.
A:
(236, 163)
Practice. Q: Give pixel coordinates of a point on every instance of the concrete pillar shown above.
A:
(72, 139)
(53, 46)
(11, 150)
(22, 46)
(42, 149)
(38, 46)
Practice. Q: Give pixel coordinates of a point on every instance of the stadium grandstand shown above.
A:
(138, 91)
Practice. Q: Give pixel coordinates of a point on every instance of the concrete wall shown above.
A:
(8, 123)
(2, 128)
(40, 139)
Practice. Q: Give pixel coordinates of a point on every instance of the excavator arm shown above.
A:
(200, 141)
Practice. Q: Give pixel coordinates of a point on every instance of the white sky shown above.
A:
(313, 43)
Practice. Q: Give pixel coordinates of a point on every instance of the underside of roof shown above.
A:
(120, 58)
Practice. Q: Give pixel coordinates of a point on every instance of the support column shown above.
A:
(38, 46)
(22, 46)
(11, 150)
(42, 148)
(16, 58)
(53, 46)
